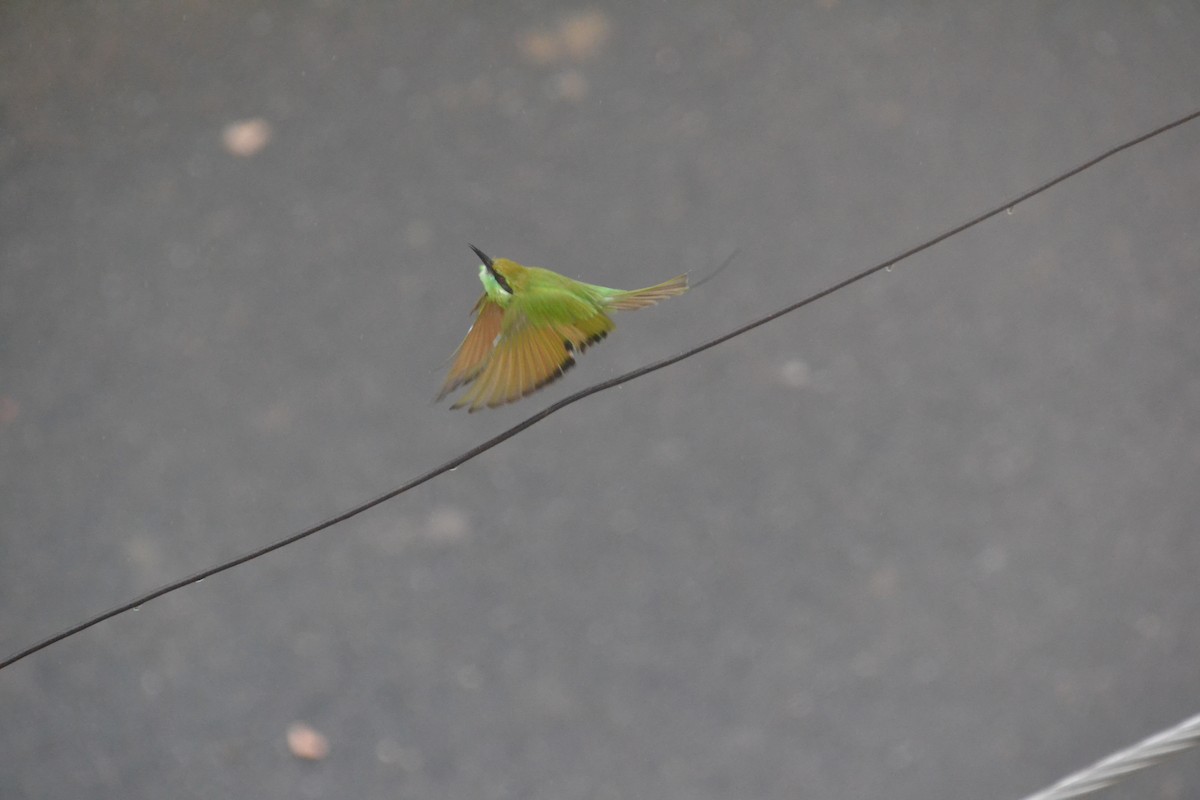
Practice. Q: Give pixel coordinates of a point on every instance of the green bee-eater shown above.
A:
(529, 325)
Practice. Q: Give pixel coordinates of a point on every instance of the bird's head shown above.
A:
(500, 276)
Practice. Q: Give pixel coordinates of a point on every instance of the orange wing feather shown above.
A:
(472, 354)
(528, 357)
(522, 362)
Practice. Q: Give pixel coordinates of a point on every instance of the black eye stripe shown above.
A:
(491, 267)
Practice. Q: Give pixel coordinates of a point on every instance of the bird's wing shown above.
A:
(536, 345)
(471, 355)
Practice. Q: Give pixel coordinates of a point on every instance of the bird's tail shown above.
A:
(643, 298)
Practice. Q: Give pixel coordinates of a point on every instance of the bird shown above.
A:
(529, 325)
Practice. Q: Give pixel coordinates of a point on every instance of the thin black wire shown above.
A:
(574, 398)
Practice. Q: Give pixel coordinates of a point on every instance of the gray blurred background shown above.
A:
(934, 536)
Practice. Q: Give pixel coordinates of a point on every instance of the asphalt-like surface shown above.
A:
(935, 536)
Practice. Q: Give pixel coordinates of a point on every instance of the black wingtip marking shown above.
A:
(585, 344)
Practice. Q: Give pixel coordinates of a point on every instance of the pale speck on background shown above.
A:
(447, 525)
(583, 35)
(145, 553)
(9, 409)
(570, 85)
(795, 373)
(246, 137)
(578, 37)
(306, 742)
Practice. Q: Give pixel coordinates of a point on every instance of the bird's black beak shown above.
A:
(487, 262)
(484, 257)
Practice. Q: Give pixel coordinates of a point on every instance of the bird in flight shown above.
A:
(529, 325)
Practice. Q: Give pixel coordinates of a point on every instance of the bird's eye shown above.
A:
(501, 280)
